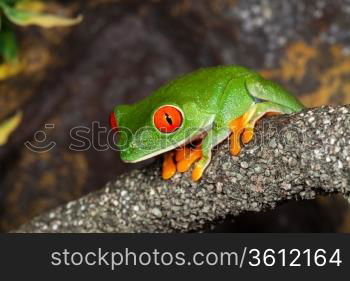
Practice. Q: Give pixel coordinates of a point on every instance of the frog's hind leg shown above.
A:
(267, 91)
(243, 127)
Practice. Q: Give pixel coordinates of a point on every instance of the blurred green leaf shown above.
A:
(24, 18)
(8, 44)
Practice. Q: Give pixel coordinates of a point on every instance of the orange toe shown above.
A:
(248, 135)
(185, 164)
(169, 167)
(197, 172)
(235, 146)
(182, 153)
(237, 127)
(243, 130)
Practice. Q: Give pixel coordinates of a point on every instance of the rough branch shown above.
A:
(293, 157)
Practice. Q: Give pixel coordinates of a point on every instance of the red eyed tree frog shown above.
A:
(210, 105)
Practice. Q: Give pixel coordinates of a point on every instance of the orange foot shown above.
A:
(238, 127)
(181, 160)
(187, 158)
(243, 130)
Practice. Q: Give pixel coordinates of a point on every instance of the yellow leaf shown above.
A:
(46, 20)
(30, 5)
(9, 69)
(8, 126)
(25, 18)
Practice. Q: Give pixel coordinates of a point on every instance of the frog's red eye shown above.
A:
(113, 121)
(167, 119)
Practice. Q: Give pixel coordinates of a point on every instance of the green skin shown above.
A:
(209, 99)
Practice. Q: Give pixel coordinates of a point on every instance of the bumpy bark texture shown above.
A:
(292, 157)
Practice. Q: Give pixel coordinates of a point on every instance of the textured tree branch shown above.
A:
(293, 157)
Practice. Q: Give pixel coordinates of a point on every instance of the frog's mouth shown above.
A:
(196, 137)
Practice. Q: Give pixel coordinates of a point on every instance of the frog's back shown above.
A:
(203, 86)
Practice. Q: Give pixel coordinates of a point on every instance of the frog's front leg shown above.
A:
(180, 160)
(243, 127)
(214, 137)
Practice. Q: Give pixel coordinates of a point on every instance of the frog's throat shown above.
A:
(192, 137)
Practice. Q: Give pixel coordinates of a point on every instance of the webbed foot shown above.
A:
(243, 127)
(187, 158)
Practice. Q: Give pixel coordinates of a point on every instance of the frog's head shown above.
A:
(145, 130)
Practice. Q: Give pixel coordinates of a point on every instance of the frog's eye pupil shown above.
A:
(167, 119)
